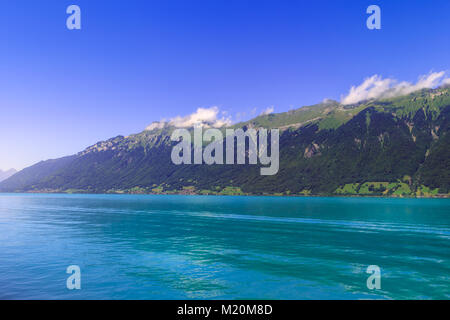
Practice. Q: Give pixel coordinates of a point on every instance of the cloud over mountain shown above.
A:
(208, 117)
(267, 111)
(375, 87)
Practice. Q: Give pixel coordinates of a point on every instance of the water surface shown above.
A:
(207, 247)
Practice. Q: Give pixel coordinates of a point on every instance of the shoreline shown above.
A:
(440, 196)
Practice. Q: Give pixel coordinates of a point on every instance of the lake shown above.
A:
(220, 247)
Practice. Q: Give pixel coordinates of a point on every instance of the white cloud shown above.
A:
(207, 117)
(269, 110)
(376, 87)
(327, 101)
(446, 82)
(156, 125)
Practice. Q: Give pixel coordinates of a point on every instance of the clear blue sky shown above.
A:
(134, 62)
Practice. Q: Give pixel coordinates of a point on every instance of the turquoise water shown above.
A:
(205, 247)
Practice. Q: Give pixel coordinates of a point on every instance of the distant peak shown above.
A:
(12, 170)
(6, 174)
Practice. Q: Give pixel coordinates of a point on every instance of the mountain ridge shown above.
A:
(390, 147)
(6, 174)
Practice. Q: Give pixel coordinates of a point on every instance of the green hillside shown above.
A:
(390, 147)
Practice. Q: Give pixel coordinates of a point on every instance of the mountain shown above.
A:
(393, 147)
(6, 174)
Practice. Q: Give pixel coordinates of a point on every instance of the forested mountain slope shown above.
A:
(398, 146)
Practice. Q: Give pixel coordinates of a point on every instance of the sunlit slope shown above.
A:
(396, 147)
